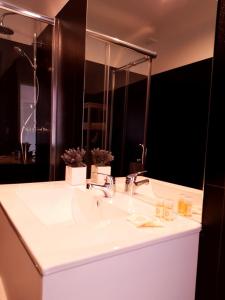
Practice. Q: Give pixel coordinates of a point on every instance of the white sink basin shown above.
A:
(54, 206)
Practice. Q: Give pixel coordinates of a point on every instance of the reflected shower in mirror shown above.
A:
(110, 113)
(25, 92)
(182, 33)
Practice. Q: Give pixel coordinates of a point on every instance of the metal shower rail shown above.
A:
(101, 36)
(133, 63)
(26, 12)
(119, 42)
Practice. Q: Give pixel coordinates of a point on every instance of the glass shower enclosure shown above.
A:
(25, 92)
(116, 100)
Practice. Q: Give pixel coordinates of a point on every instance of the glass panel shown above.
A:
(115, 103)
(25, 92)
(96, 94)
(129, 92)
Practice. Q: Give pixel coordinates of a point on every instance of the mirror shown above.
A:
(109, 103)
(25, 92)
(182, 34)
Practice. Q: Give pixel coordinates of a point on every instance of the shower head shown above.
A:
(22, 53)
(19, 51)
(3, 29)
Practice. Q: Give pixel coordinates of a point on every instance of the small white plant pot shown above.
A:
(76, 175)
(100, 178)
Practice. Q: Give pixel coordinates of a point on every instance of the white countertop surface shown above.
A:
(47, 217)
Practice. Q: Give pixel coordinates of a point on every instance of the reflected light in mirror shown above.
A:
(3, 295)
(30, 14)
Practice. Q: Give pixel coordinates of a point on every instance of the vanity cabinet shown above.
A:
(46, 261)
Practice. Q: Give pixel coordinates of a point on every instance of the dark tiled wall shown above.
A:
(178, 120)
(177, 124)
(70, 32)
(211, 268)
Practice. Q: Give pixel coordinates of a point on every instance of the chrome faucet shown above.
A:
(131, 182)
(107, 188)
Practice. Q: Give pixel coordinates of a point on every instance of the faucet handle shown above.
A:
(142, 172)
(108, 178)
(132, 177)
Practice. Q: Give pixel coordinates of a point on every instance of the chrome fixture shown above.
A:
(33, 64)
(3, 29)
(27, 13)
(122, 43)
(23, 54)
(107, 188)
(131, 182)
(133, 63)
(143, 153)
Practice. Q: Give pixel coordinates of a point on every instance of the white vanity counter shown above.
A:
(62, 230)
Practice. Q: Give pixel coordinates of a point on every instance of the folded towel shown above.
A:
(144, 221)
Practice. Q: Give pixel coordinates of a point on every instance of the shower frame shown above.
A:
(149, 55)
(27, 13)
(13, 9)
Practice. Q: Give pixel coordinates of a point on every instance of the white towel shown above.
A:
(140, 220)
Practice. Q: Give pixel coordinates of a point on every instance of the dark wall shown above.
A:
(128, 112)
(177, 125)
(14, 70)
(128, 126)
(211, 267)
(68, 85)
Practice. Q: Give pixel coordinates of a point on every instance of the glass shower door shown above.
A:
(129, 102)
(117, 81)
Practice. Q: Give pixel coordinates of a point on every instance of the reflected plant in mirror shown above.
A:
(100, 167)
(101, 157)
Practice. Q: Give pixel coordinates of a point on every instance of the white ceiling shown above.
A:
(167, 26)
(146, 21)
(180, 31)
(143, 22)
(47, 7)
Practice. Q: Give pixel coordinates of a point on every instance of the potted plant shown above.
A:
(101, 160)
(76, 169)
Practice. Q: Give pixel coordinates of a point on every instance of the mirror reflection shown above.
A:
(179, 92)
(110, 110)
(25, 90)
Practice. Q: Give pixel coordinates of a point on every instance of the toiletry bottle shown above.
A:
(168, 210)
(181, 205)
(185, 205)
(188, 210)
(159, 209)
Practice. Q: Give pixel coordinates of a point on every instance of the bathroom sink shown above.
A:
(61, 205)
(93, 207)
